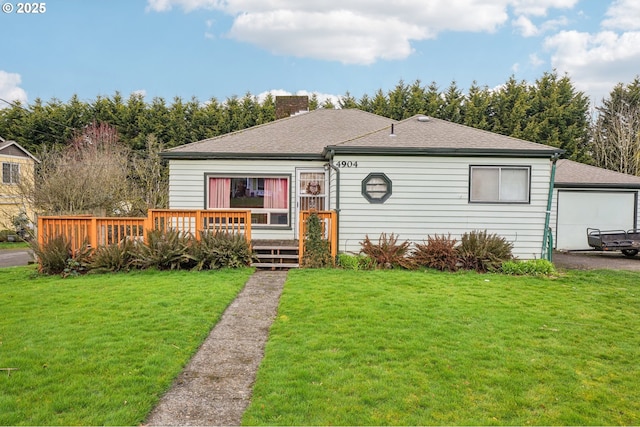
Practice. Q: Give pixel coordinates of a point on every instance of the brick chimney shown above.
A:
(289, 105)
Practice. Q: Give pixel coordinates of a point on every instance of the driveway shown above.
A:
(593, 260)
(15, 257)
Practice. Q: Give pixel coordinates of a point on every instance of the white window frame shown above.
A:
(501, 196)
(268, 212)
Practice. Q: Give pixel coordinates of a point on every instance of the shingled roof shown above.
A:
(314, 135)
(426, 135)
(301, 136)
(574, 174)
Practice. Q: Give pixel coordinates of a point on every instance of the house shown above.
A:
(591, 197)
(417, 177)
(17, 170)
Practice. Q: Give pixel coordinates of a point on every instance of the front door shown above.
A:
(312, 191)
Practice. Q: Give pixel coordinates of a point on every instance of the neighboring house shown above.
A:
(17, 169)
(591, 197)
(416, 177)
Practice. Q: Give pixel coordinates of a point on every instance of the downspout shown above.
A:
(337, 170)
(546, 250)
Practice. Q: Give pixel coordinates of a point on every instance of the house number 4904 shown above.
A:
(346, 164)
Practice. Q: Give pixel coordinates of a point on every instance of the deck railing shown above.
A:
(102, 231)
(329, 222)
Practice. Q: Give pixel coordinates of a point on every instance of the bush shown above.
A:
(387, 253)
(483, 252)
(56, 257)
(438, 252)
(356, 262)
(4, 235)
(220, 250)
(163, 250)
(113, 258)
(532, 267)
(317, 253)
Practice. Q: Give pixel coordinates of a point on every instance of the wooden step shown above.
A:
(275, 255)
(275, 265)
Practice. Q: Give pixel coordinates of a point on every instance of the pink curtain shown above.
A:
(219, 193)
(276, 193)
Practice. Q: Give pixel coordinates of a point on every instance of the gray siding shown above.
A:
(430, 196)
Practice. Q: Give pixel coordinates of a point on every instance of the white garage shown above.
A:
(591, 197)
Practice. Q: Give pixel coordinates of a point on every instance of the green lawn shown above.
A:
(14, 245)
(415, 348)
(101, 349)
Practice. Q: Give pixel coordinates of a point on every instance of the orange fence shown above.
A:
(100, 231)
(329, 221)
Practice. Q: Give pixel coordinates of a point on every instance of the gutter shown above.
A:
(546, 252)
(337, 171)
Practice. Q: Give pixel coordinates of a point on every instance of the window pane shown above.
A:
(15, 173)
(6, 173)
(263, 196)
(485, 184)
(246, 193)
(514, 185)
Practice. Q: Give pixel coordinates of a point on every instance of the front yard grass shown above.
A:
(101, 349)
(415, 348)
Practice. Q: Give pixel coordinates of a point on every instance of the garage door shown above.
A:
(578, 210)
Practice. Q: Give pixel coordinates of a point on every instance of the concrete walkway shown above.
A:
(215, 387)
(15, 257)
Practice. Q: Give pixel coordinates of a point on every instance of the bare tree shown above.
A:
(88, 176)
(150, 178)
(615, 142)
(616, 139)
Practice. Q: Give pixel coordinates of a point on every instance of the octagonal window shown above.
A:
(376, 187)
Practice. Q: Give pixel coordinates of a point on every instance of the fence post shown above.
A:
(301, 229)
(40, 231)
(93, 232)
(334, 234)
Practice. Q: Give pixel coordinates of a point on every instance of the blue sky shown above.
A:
(222, 48)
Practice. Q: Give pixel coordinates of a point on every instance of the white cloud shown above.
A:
(623, 15)
(540, 7)
(10, 89)
(596, 62)
(140, 92)
(535, 60)
(359, 31)
(525, 27)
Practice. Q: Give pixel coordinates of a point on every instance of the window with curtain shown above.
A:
(499, 184)
(266, 197)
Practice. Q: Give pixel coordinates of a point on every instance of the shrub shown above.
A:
(163, 250)
(483, 252)
(532, 267)
(220, 250)
(387, 253)
(113, 258)
(356, 262)
(4, 235)
(56, 257)
(317, 253)
(438, 252)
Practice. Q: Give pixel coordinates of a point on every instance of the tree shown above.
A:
(558, 116)
(615, 142)
(87, 176)
(453, 104)
(150, 179)
(477, 107)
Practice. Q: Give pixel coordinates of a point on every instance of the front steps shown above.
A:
(276, 254)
